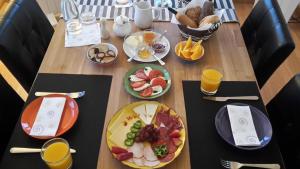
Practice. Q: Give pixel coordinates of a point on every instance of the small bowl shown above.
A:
(185, 59)
(110, 47)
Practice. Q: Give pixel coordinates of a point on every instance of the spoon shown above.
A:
(135, 53)
(30, 150)
(161, 36)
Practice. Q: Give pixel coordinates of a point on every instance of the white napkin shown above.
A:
(48, 117)
(89, 34)
(242, 126)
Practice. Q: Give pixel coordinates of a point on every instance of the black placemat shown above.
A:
(85, 136)
(206, 146)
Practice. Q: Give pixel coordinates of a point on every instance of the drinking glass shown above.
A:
(56, 154)
(87, 18)
(210, 81)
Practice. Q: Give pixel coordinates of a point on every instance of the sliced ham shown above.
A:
(149, 154)
(138, 161)
(137, 149)
(151, 163)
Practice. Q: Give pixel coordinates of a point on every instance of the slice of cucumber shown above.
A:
(131, 135)
(129, 142)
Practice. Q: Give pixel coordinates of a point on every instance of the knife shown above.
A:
(15, 150)
(222, 99)
(73, 95)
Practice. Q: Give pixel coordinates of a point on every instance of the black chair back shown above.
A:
(284, 111)
(25, 33)
(267, 38)
(10, 108)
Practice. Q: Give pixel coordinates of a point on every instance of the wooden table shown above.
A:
(225, 50)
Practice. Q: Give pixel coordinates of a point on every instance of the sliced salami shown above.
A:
(168, 158)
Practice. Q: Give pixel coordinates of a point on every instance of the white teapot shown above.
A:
(122, 26)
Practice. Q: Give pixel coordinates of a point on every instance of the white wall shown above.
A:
(287, 7)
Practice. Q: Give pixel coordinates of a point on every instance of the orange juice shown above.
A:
(210, 81)
(57, 155)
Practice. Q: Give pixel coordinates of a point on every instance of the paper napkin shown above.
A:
(48, 117)
(242, 126)
(89, 34)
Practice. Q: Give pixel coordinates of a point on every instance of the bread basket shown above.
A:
(201, 33)
(198, 34)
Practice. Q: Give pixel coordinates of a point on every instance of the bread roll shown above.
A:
(185, 20)
(211, 19)
(194, 13)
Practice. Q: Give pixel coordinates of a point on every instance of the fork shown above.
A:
(237, 165)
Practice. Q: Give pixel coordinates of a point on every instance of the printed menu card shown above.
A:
(48, 117)
(242, 126)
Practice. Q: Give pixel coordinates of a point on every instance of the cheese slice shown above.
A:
(141, 111)
(119, 133)
(151, 110)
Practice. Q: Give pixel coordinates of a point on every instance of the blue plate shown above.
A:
(261, 122)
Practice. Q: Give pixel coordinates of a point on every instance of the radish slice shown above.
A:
(137, 149)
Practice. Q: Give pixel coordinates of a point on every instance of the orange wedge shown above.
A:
(188, 44)
(197, 54)
(186, 54)
(179, 49)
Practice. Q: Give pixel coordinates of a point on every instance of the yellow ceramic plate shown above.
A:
(125, 117)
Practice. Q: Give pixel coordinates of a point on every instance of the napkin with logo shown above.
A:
(242, 126)
(89, 34)
(48, 117)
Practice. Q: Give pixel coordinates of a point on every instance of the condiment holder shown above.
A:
(122, 26)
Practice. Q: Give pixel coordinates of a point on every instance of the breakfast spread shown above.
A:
(146, 134)
(189, 50)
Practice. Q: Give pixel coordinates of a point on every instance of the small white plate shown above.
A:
(129, 51)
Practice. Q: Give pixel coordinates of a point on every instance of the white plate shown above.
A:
(130, 51)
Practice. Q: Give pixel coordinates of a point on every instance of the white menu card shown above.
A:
(242, 126)
(89, 35)
(48, 117)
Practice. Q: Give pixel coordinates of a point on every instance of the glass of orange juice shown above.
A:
(56, 154)
(210, 81)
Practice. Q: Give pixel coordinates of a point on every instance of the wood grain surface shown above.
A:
(224, 50)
